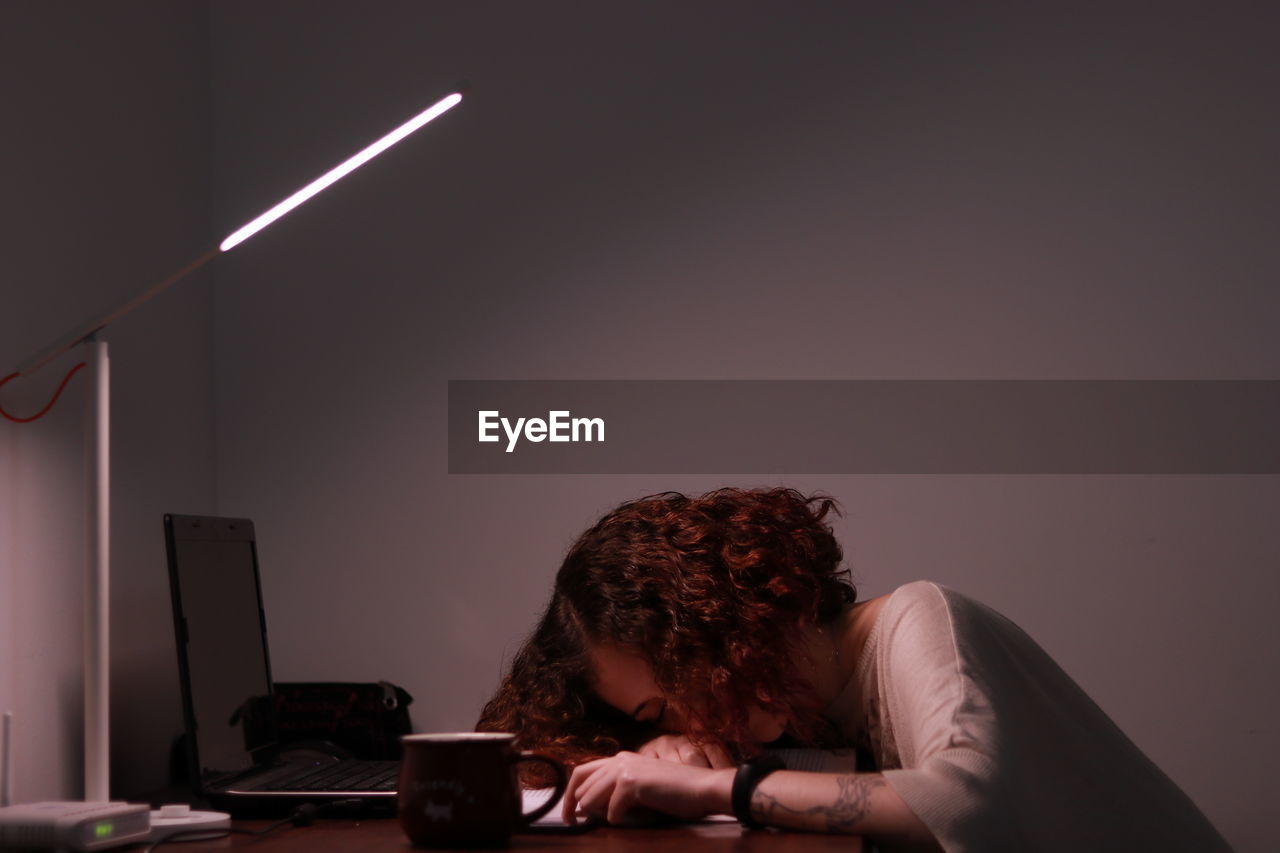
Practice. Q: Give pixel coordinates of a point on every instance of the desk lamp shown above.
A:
(97, 435)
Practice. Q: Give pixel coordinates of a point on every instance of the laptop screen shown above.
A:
(222, 647)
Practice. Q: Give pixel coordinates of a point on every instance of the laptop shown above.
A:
(224, 667)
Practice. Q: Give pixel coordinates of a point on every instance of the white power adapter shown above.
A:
(73, 826)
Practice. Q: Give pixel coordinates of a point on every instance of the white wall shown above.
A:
(105, 176)
(765, 190)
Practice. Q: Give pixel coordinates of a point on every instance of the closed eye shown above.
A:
(651, 711)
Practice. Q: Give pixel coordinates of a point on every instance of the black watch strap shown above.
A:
(749, 775)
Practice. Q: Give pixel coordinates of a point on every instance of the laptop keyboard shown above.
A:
(340, 776)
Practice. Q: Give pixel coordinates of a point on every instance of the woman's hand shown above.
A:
(680, 749)
(610, 788)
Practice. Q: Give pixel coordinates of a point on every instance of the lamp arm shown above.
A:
(83, 331)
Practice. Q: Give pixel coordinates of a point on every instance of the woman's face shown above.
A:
(624, 679)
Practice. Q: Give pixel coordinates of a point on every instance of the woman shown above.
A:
(684, 634)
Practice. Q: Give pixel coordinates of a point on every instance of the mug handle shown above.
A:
(562, 782)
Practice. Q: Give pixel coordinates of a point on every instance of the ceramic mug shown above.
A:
(461, 789)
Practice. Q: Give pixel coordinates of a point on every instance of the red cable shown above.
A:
(40, 414)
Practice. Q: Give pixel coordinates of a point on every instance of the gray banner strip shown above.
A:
(865, 427)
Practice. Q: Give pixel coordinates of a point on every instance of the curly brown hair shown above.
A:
(713, 591)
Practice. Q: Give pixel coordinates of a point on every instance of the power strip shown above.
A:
(73, 826)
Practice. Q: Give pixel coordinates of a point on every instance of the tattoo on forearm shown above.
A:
(852, 804)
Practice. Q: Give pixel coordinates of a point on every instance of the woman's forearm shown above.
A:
(856, 803)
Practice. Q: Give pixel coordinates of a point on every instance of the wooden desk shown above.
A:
(340, 836)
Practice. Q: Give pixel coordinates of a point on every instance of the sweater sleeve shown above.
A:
(944, 725)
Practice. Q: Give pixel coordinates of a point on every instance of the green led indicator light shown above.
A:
(103, 829)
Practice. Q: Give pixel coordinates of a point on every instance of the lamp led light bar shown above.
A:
(340, 171)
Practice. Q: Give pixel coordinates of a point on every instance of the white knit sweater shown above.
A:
(994, 747)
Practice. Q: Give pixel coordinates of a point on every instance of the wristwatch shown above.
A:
(750, 774)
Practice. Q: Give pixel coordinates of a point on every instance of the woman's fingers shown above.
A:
(621, 798)
(692, 755)
(680, 749)
(593, 796)
(717, 757)
(581, 774)
(660, 748)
